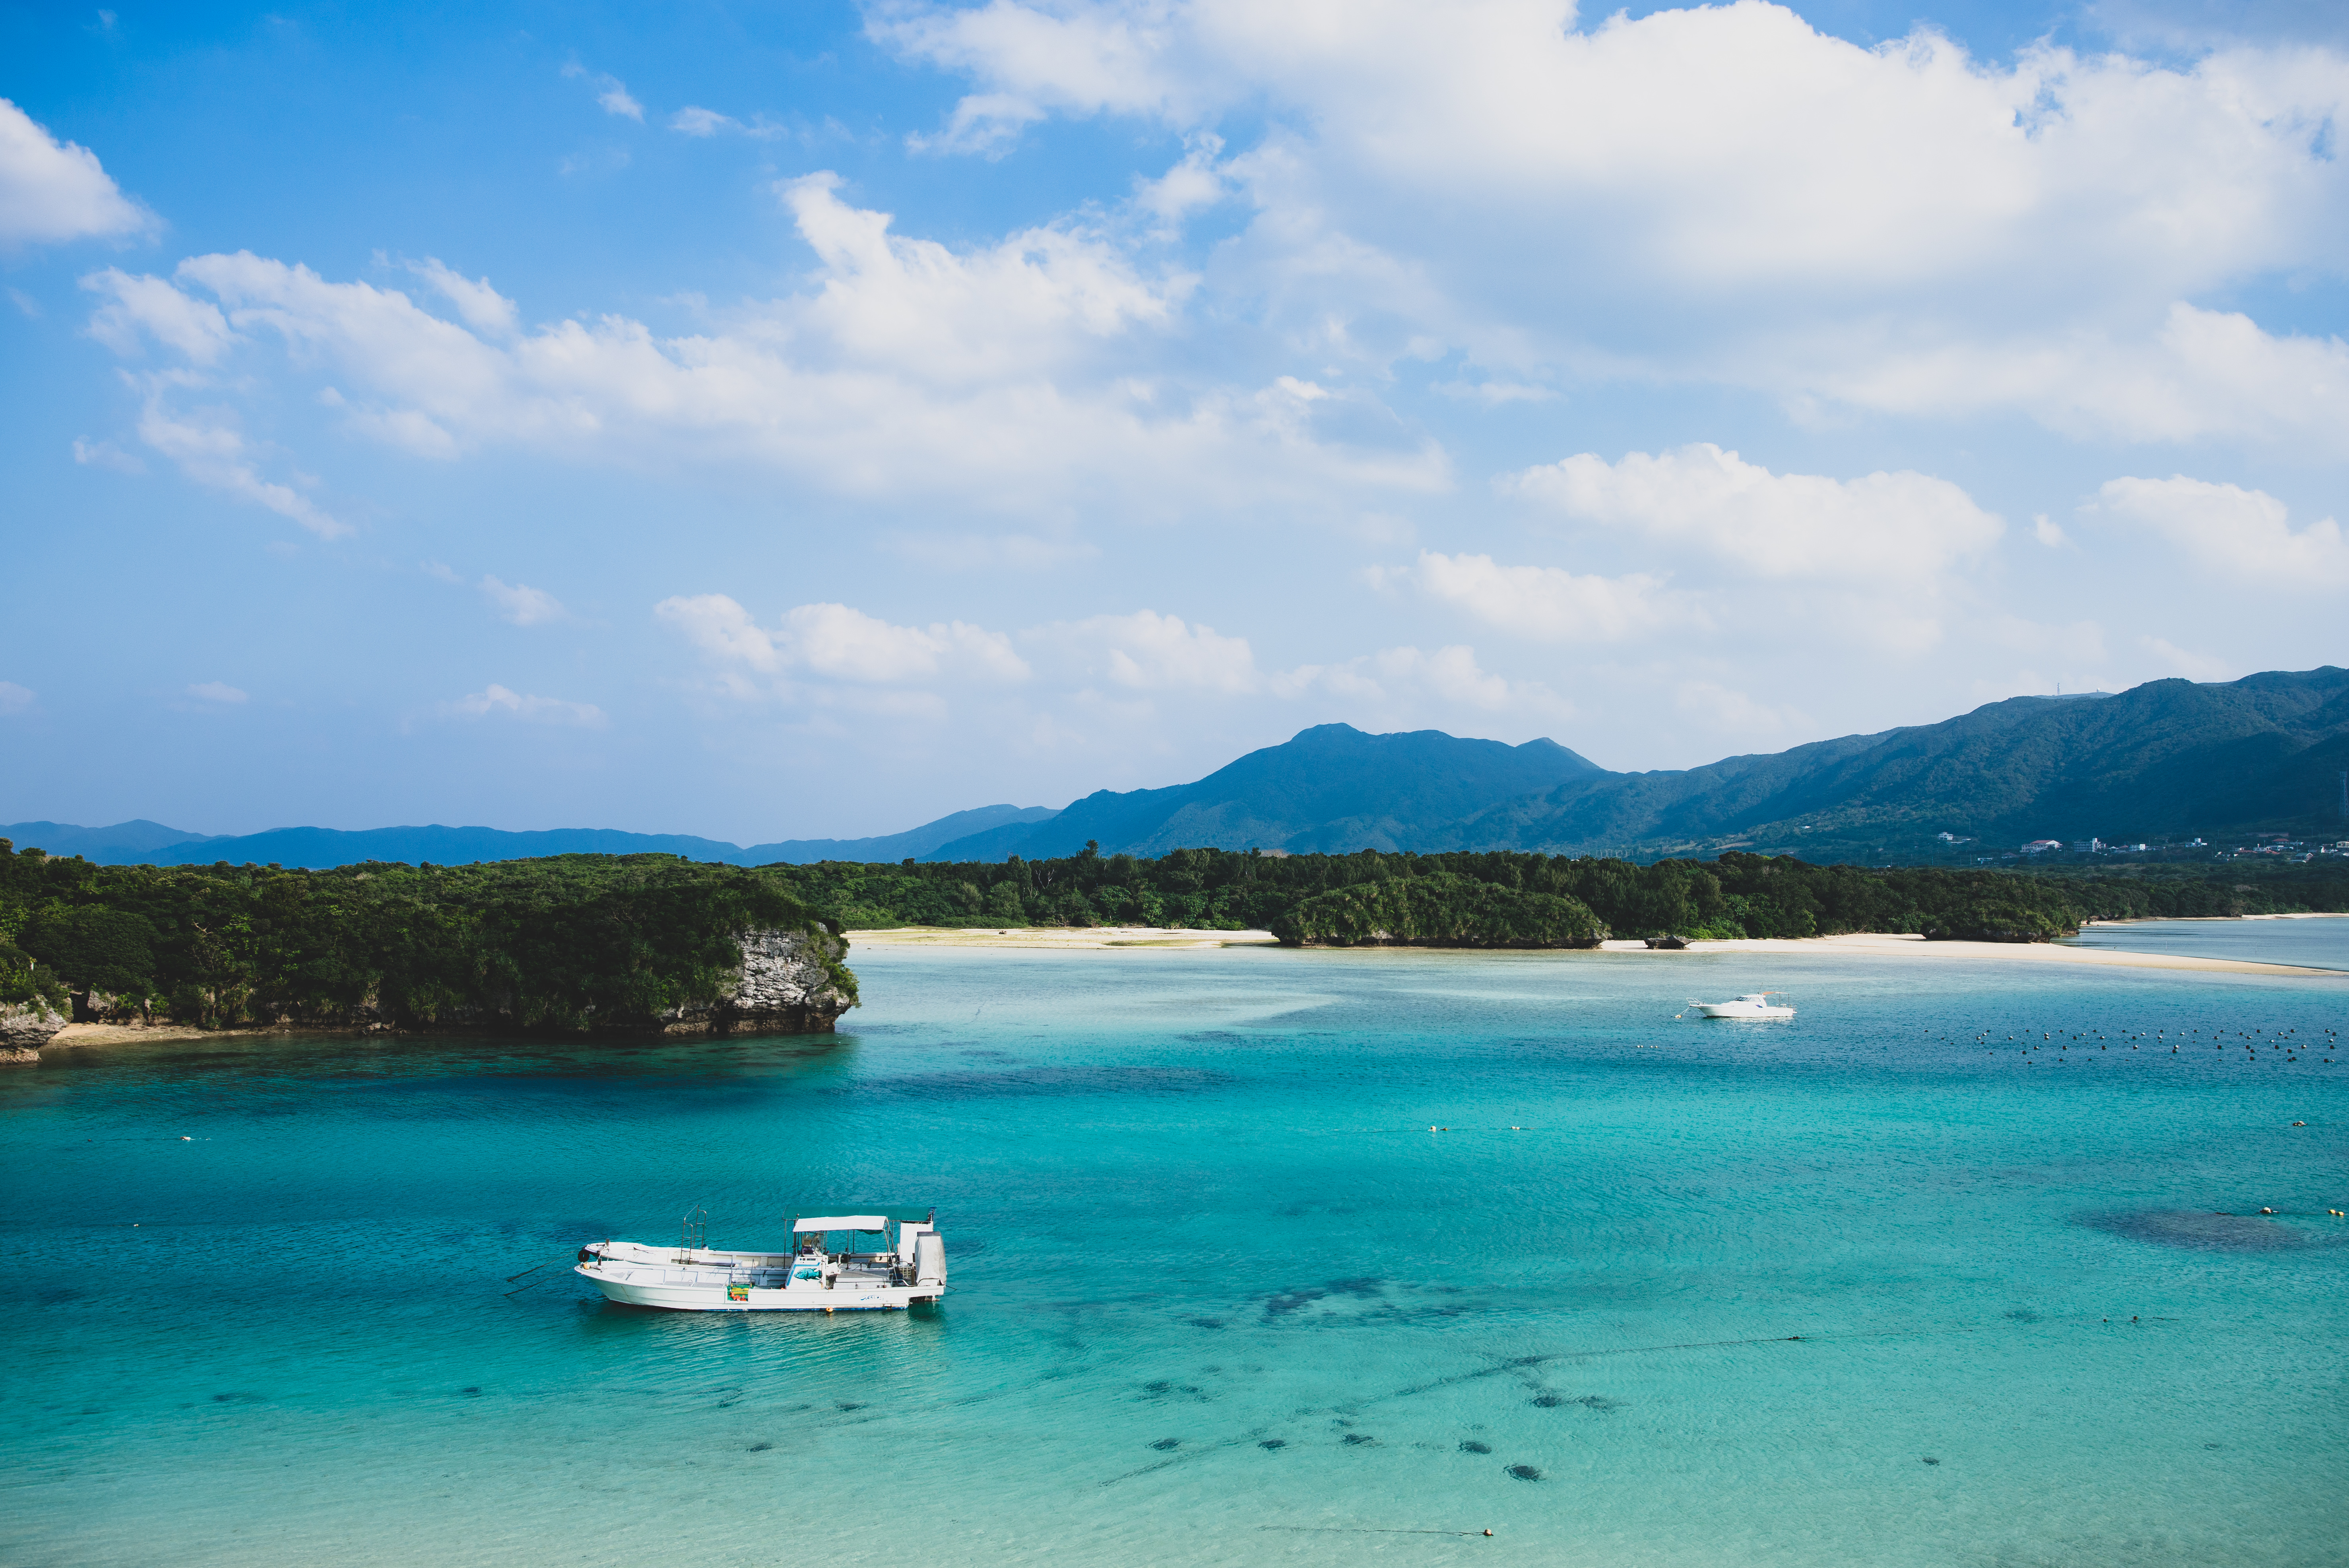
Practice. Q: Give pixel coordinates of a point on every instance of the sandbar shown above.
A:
(1880, 945)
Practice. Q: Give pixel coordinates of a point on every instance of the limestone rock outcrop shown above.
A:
(790, 982)
(25, 1028)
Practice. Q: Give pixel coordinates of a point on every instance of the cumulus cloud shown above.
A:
(2191, 373)
(2245, 534)
(1719, 192)
(1545, 604)
(842, 644)
(219, 692)
(143, 307)
(53, 190)
(522, 605)
(481, 307)
(1883, 527)
(1001, 376)
(498, 701)
(214, 453)
(1147, 651)
(1105, 673)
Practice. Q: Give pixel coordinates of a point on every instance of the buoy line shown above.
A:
(1367, 1530)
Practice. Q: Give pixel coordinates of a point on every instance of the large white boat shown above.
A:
(838, 1263)
(1752, 1004)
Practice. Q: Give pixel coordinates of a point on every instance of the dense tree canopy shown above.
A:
(567, 943)
(573, 942)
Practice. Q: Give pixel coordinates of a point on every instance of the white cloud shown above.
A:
(2236, 532)
(1000, 377)
(500, 701)
(2048, 533)
(610, 95)
(1544, 603)
(151, 305)
(1148, 651)
(219, 692)
(1720, 192)
(107, 455)
(213, 453)
(1410, 685)
(16, 699)
(53, 190)
(1884, 527)
(523, 605)
(696, 121)
(841, 644)
(2190, 374)
(482, 308)
(1193, 185)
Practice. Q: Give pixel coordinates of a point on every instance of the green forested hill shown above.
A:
(2169, 759)
(1331, 786)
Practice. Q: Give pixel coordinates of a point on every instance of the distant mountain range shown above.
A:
(142, 842)
(2168, 759)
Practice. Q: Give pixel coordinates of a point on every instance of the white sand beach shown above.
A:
(1890, 944)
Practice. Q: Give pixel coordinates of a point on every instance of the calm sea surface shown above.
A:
(2320, 942)
(1855, 1289)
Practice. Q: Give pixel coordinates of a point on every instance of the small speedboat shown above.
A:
(1752, 1004)
(838, 1263)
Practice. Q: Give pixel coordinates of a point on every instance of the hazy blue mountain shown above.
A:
(914, 842)
(1328, 788)
(321, 846)
(2168, 758)
(151, 843)
(122, 844)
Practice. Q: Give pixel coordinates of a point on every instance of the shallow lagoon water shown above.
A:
(2314, 941)
(1852, 1289)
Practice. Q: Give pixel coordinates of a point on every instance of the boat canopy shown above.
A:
(871, 1220)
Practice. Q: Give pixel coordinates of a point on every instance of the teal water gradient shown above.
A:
(1718, 1291)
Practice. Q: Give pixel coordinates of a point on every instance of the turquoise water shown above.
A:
(1854, 1289)
(2318, 942)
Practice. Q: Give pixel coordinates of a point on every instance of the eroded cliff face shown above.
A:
(791, 983)
(25, 1028)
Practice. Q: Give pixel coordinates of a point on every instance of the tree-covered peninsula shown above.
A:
(565, 945)
(1512, 898)
(579, 942)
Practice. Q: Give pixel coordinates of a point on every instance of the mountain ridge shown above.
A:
(2160, 760)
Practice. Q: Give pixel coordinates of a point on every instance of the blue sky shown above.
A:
(785, 420)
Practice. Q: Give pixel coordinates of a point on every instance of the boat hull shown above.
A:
(631, 1288)
(1741, 1010)
(709, 1279)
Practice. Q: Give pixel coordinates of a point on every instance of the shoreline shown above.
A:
(1880, 945)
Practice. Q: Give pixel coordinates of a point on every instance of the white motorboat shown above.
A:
(888, 1259)
(1752, 1004)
